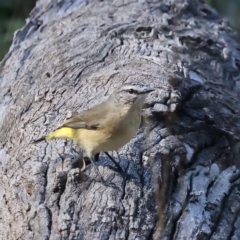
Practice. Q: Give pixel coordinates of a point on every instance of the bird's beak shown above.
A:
(147, 90)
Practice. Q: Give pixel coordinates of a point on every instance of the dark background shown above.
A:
(14, 12)
(12, 17)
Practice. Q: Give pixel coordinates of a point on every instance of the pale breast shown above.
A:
(112, 136)
(122, 134)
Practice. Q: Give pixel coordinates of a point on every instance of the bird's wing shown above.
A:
(75, 123)
(91, 119)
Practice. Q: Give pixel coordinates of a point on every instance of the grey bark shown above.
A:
(184, 161)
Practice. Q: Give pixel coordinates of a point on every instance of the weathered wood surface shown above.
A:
(184, 163)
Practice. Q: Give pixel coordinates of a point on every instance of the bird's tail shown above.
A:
(64, 132)
(39, 140)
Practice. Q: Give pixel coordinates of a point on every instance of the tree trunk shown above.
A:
(184, 161)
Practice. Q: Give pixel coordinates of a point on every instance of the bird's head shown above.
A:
(131, 94)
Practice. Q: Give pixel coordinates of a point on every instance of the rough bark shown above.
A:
(183, 163)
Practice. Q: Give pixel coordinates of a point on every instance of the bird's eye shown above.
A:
(131, 91)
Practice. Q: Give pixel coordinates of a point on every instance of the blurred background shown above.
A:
(12, 17)
(229, 9)
(14, 12)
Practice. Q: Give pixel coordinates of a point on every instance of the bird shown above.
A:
(107, 126)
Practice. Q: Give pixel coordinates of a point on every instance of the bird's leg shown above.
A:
(113, 160)
(118, 166)
(75, 151)
(83, 167)
(96, 157)
(96, 168)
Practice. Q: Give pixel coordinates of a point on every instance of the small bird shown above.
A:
(108, 125)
